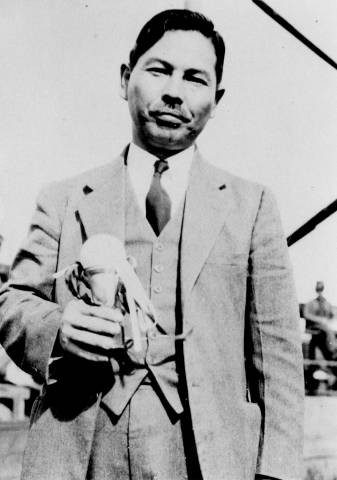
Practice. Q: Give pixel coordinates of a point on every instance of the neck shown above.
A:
(160, 152)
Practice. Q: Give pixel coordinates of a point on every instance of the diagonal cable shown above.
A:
(311, 224)
(291, 29)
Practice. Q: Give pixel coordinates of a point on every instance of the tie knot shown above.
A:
(160, 166)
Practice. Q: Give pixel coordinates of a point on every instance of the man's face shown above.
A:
(171, 91)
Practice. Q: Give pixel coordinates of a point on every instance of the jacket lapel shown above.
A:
(205, 212)
(101, 209)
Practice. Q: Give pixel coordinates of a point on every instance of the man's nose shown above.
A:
(173, 91)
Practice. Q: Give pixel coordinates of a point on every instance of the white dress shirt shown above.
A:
(140, 167)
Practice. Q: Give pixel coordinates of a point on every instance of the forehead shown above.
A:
(184, 49)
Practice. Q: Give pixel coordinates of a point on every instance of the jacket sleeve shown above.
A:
(29, 319)
(274, 347)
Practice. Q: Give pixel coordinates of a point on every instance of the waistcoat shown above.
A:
(156, 261)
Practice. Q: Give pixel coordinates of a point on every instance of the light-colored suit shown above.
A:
(242, 360)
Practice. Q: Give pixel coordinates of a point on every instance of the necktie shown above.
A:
(158, 203)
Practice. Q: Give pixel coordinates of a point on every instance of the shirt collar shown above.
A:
(141, 160)
(174, 180)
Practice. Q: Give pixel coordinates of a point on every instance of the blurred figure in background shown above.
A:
(318, 314)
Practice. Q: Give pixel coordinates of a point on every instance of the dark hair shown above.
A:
(178, 19)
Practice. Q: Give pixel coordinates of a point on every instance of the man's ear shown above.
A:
(219, 94)
(125, 76)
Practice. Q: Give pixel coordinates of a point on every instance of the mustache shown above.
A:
(180, 112)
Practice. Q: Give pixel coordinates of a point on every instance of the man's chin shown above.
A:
(168, 138)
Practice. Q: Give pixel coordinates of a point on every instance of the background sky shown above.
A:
(61, 113)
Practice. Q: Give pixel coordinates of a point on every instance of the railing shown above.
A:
(18, 395)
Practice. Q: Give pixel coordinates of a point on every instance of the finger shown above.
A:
(74, 349)
(107, 313)
(80, 315)
(90, 339)
(93, 324)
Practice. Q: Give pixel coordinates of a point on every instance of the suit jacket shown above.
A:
(242, 360)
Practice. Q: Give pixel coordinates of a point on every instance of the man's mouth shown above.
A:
(169, 118)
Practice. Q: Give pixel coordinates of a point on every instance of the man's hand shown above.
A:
(90, 332)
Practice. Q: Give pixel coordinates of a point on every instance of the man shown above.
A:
(216, 391)
(318, 313)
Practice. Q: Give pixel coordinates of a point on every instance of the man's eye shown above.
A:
(157, 71)
(199, 80)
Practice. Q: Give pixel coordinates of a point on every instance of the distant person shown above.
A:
(318, 314)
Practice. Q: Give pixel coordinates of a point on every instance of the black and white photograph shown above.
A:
(168, 240)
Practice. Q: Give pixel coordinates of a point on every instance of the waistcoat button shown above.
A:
(152, 334)
(158, 268)
(159, 247)
(158, 289)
